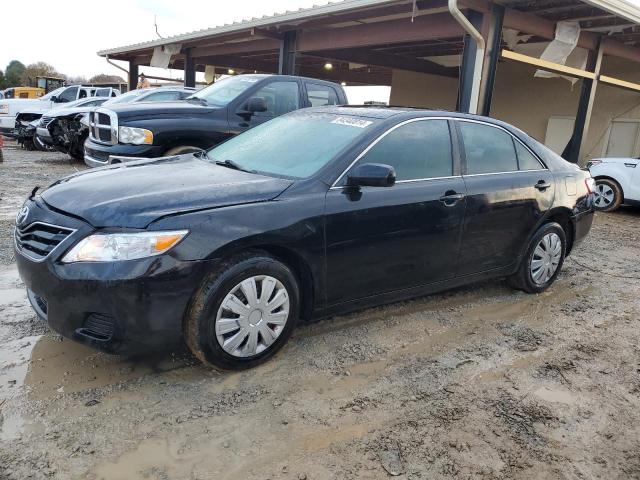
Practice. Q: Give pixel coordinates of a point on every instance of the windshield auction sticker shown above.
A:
(352, 122)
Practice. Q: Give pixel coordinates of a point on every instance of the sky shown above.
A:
(68, 34)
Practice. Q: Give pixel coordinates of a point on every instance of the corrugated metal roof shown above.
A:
(620, 8)
(300, 14)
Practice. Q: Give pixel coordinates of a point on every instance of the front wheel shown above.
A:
(543, 260)
(244, 313)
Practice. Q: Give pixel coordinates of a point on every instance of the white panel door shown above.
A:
(623, 138)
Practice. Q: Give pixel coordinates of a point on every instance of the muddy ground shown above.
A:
(479, 382)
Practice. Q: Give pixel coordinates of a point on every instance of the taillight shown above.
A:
(590, 184)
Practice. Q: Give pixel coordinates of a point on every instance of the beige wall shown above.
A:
(529, 102)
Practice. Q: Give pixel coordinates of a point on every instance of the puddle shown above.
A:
(555, 395)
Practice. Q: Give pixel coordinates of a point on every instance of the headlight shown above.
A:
(137, 136)
(111, 247)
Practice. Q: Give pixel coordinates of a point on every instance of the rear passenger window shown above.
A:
(320, 95)
(526, 160)
(416, 150)
(488, 149)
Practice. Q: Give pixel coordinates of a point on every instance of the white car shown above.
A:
(9, 108)
(617, 182)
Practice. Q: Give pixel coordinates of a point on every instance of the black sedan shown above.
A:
(314, 213)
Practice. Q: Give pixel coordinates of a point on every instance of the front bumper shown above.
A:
(119, 307)
(99, 155)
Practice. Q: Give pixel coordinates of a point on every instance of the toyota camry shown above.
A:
(315, 213)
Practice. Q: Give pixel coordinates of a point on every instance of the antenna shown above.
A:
(155, 24)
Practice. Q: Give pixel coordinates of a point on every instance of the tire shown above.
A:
(223, 339)
(609, 195)
(550, 237)
(181, 150)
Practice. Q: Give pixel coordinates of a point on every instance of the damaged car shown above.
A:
(314, 213)
(67, 129)
(29, 120)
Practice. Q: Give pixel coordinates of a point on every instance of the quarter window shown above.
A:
(416, 150)
(320, 95)
(526, 160)
(488, 149)
(280, 97)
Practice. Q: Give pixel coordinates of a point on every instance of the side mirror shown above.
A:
(372, 175)
(54, 99)
(256, 104)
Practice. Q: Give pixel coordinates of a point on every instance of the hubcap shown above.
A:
(604, 195)
(252, 316)
(546, 258)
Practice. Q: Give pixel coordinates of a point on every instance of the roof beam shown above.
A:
(235, 48)
(368, 57)
(528, 23)
(396, 31)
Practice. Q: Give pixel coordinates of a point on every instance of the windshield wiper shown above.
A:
(234, 165)
(202, 101)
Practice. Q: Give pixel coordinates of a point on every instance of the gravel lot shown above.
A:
(477, 382)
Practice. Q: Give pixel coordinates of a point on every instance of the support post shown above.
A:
(189, 69)
(576, 144)
(133, 75)
(287, 57)
(494, 22)
(467, 70)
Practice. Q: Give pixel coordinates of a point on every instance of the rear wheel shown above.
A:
(244, 313)
(543, 260)
(608, 195)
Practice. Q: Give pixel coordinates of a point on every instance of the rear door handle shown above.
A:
(451, 198)
(542, 185)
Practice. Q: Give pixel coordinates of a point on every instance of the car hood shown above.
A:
(136, 110)
(63, 112)
(134, 194)
(18, 104)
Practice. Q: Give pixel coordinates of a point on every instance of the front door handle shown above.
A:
(542, 185)
(450, 198)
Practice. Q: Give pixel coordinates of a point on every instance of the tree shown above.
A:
(2, 80)
(79, 80)
(13, 73)
(105, 78)
(39, 69)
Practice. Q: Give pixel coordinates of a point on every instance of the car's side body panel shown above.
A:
(624, 171)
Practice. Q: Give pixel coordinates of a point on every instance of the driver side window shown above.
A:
(69, 95)
(416, 150)
(280, 97)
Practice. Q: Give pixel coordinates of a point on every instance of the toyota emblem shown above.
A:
(22, 215)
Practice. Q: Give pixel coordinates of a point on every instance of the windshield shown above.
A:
(224, 91)
(56, 92)
(127, 97)
(294, 146)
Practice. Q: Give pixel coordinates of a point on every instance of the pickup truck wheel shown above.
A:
(182, 150)
(244, 312)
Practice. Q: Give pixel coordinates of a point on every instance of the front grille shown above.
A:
(38, 240)
(99, 326)
(103, 127)
(45, 121)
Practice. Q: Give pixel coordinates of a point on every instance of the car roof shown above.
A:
(404, 113)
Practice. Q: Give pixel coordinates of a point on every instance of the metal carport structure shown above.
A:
(366, 40)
